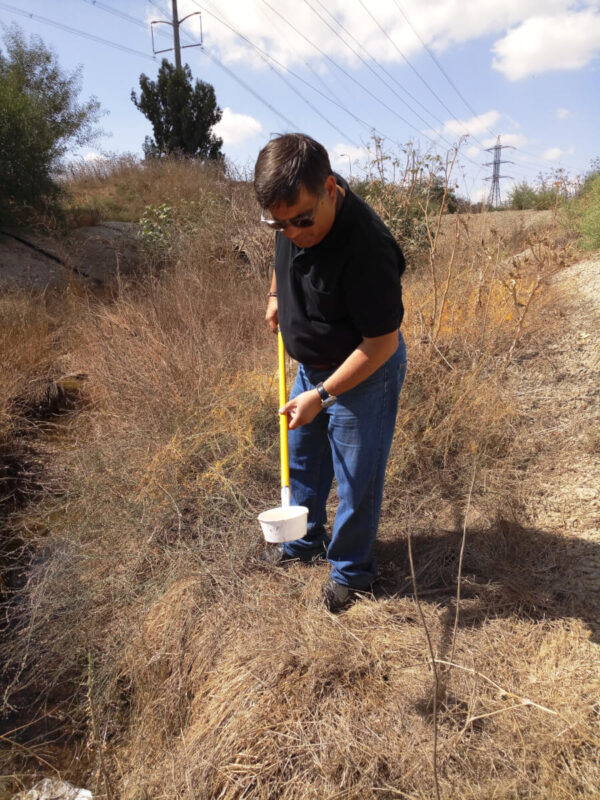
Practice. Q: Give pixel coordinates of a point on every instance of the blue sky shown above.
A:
(528, 70)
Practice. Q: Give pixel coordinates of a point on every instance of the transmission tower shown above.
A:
(494, 195)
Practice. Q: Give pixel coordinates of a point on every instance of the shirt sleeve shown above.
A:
(372, 287)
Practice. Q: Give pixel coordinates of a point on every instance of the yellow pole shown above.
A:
(283, 423)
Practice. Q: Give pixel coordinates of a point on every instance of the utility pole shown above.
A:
(176, 44)
(494, 195)
(175, 23)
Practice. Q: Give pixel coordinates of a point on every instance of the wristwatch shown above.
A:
(326, 398)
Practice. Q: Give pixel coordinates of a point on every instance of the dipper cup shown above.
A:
(286, 523)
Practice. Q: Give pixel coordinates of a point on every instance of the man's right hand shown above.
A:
(271, 316)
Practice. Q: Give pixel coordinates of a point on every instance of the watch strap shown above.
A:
(323, 393)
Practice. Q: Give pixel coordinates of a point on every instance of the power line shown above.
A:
(356, 118)
(525, 167)
(265, 55)
(75, 31)
(298, 77)
(117, 13)
(278, 30)
(422, 133)
(392, 77)
(138, 22)
(437, 63)
(345, 72)
(232, 75)
(133, 20)
(417, 73)
(455, 87)
(266, 58)
(374, 59)
(369, 67)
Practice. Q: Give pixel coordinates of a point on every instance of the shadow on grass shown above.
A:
(508, 571)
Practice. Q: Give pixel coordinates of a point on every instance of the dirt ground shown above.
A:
(561, 385)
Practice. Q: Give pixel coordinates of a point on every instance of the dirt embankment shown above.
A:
(97, 254)
(559, 385)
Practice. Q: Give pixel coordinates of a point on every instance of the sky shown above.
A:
(434, 73)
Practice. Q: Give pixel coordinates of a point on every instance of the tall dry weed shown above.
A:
(181, 668)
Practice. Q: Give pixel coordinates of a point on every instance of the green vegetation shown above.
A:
(40, 118)
(587, 211)
(524, 196)
(182, 115)
(409, 193)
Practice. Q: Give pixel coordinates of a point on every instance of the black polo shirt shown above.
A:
(345, 288)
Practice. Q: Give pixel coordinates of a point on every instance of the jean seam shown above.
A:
(379, 448)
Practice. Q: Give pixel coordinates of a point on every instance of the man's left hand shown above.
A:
(302, 409)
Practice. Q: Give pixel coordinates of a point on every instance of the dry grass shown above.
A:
(177, 665)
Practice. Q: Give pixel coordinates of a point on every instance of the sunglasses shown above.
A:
(301, 221)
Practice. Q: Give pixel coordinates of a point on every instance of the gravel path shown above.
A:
(561, 391)
(571, 394)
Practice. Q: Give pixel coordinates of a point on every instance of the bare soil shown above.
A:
(559, 383)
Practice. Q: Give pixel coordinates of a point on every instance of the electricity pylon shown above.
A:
(494, 195)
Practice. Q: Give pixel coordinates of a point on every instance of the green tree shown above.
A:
(40, 119)
(182, 115)
(541, 197)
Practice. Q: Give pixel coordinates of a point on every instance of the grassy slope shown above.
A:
(184, 670)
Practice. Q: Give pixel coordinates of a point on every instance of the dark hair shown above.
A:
(287, 163)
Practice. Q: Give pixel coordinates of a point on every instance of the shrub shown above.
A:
(419, 191)
(40, 118)
(524, 197)
(588, 212)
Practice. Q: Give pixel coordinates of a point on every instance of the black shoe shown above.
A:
(336, 597)
(275, 556)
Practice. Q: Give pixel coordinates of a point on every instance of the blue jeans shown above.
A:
(352, 441)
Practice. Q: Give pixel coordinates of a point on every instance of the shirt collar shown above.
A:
(337, 230)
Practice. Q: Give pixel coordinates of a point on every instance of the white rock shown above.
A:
(52, 789)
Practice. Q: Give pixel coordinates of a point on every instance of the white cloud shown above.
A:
(473, 126)
(293, 33)
(552, 154)
(472, 152)
(510, 139)
(235, 128)
(555, 153)
(534, 35)
(480, 194)
(542, 43)
(340, 153)
(94, 156)
(563, 113)
(349, 159)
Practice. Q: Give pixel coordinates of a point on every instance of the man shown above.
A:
(336, 296)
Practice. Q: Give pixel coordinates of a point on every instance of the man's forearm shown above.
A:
(361, 363)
